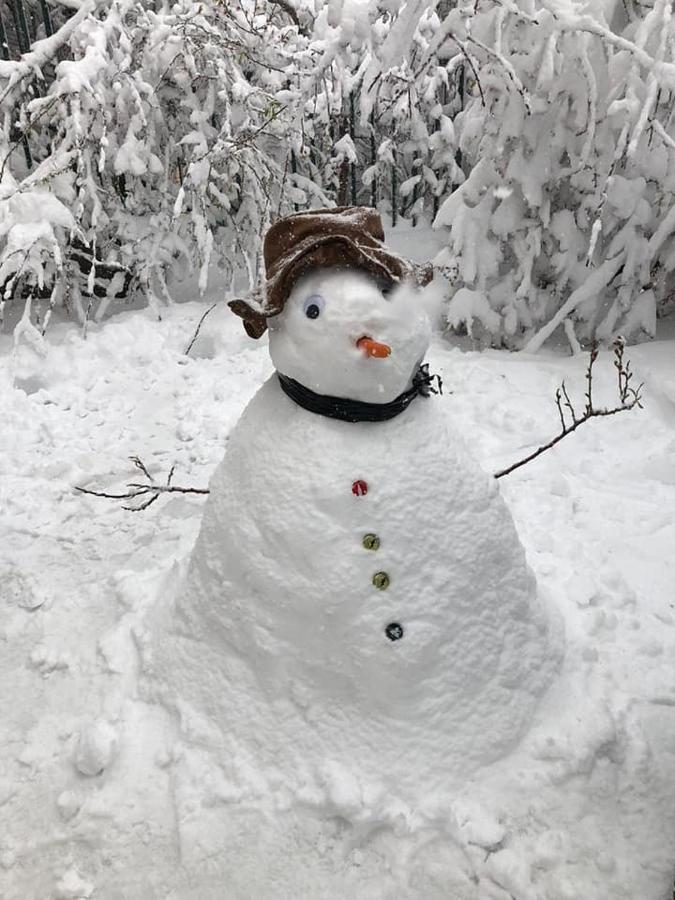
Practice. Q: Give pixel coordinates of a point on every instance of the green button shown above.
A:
(371, 542)
(381, 580)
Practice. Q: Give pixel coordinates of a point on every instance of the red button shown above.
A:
(359, 488)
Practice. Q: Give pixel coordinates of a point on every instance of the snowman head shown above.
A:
(344, 334)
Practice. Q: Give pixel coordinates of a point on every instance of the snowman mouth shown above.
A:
(374, 349)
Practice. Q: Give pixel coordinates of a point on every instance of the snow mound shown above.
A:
(581, 808)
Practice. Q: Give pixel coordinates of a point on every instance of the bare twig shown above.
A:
(568, 402)
(150, 490)
(589, 378)
(558, 395)
(629, 397)
(196, 334)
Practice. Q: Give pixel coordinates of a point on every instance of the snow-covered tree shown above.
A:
(157, 135)
(166, 137)
(142, 139)
(375, 121)
(566, 215)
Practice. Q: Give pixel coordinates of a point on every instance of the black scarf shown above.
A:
(358, 410)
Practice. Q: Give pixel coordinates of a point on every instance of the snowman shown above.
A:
(358, 607)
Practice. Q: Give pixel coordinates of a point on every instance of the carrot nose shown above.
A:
(373, 348)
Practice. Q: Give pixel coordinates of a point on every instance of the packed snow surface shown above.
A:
(106, 794)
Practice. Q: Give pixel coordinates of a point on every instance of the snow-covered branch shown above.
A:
(572, 22)
(42, 51)
(591, 287)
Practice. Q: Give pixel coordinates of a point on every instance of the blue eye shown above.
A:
(313, 306)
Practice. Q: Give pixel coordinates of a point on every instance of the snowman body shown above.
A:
(358, 599)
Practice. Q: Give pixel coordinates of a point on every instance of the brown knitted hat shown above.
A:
(347, 237)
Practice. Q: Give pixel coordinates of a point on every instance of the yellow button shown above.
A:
(371, 542)
(381, 580)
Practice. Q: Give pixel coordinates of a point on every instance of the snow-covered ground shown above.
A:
(93, 795)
